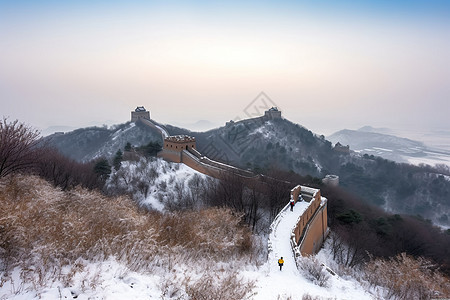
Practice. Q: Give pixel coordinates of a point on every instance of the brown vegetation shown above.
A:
(66, 173)
(405, 277)
(43, 229)
(360, 229)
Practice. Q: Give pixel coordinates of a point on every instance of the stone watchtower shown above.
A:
(341, 148)
(272, 113)
(140, 113)
(179, 143)
(174, 145)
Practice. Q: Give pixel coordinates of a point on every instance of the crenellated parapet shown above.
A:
(179, 143)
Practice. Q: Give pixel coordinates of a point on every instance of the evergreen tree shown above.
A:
(102, 169)
(118, 160)
(128, 147)
(151, 149)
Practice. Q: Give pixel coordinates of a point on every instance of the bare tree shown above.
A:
(64, 172)
(277, 192)
(18, 147)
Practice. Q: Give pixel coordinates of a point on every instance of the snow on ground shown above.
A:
(171, 174)
(154, 182)
(122, 131)
(430, 160)
(382, 149)
(102, 280)
(273, 283)
(163, 131)
(264, 130)
(112, 280)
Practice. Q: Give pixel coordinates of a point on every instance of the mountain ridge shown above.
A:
(260, 145)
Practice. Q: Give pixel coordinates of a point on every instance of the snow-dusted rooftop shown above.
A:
(140, 108)
(180, 138)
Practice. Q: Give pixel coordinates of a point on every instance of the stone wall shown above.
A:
(312, 226)
(173, 156)
(193, 162)
(306, 217)
(315, 232)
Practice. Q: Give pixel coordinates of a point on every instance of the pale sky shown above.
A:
(327, 66)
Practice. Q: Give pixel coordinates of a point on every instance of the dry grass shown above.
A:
(213, 287)
(313, 270)
(50, 234)
(405, 277)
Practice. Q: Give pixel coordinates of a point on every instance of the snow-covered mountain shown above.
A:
(371, 141)
(259, 145)
(90, 143)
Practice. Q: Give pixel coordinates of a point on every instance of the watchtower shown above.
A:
(341, 148)
(272, 113)
(140, 113)
(174, 145)
(179, 143)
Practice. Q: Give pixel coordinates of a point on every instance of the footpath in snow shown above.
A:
(290, 283)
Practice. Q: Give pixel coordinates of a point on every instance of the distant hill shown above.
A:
(368, 140)
(384, 145)
(376, 130)
(52, 129)
(201, 125)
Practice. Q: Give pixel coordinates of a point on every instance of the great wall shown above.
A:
(310, 229)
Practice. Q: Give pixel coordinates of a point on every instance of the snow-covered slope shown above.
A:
(155, 183)
(112, 279)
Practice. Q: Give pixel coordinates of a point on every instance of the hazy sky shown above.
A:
(327, 64)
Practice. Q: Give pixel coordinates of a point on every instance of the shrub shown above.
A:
(213, 287)
(313, 270)
(405, 277)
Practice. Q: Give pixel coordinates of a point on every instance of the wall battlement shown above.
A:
(179, 143)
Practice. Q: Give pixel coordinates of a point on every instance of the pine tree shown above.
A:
(102, 169)
(128, 147)
(118, 160)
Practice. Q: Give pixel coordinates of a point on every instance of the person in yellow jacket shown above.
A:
(281, 262)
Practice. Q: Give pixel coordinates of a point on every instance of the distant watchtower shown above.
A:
(341, 148)
(272, 113)
(140, 113)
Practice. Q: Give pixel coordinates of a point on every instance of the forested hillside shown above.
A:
(91, 143)
(401, 188)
